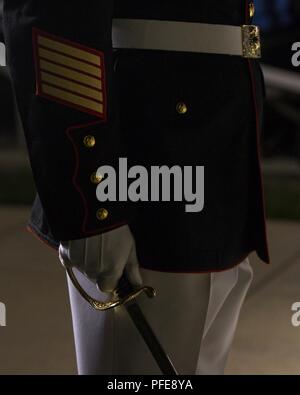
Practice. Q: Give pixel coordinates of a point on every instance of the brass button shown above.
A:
(96, 179)
(102, 214)
(181, 108)
(89, 141)
(251, 9)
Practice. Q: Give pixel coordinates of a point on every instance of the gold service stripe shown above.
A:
(71, 98)
(71, 74)
(69, 50)
(72, 86)
(69, 62)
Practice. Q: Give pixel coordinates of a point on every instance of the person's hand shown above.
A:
(104, 258)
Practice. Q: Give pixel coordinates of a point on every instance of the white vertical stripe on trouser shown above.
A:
(228, 292)
(190, 312)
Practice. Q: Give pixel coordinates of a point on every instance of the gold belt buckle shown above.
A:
(251, 41)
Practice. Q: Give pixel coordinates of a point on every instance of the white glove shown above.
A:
(104, 258)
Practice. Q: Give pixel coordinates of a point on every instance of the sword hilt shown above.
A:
(126, 293)
(123, 295)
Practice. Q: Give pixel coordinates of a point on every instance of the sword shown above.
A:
(137, 316)
(125, 296)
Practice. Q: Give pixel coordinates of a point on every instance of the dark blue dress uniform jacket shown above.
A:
(123, 103)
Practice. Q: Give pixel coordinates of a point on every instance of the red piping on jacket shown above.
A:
(199, 272)
(257, 120)
(258, 149)
(77, 187)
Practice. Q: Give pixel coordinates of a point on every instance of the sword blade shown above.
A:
(142, 325)
(162, 359)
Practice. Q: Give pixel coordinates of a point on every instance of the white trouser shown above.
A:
(194, 315)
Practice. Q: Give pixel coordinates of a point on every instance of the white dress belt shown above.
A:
(186, 37)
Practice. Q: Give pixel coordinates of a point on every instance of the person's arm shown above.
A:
(61, 62)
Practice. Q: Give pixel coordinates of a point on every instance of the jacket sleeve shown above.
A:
(61, 62)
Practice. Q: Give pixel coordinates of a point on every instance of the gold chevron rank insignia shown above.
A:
(70, 73)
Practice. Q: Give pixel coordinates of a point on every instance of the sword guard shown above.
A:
(124, 295)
